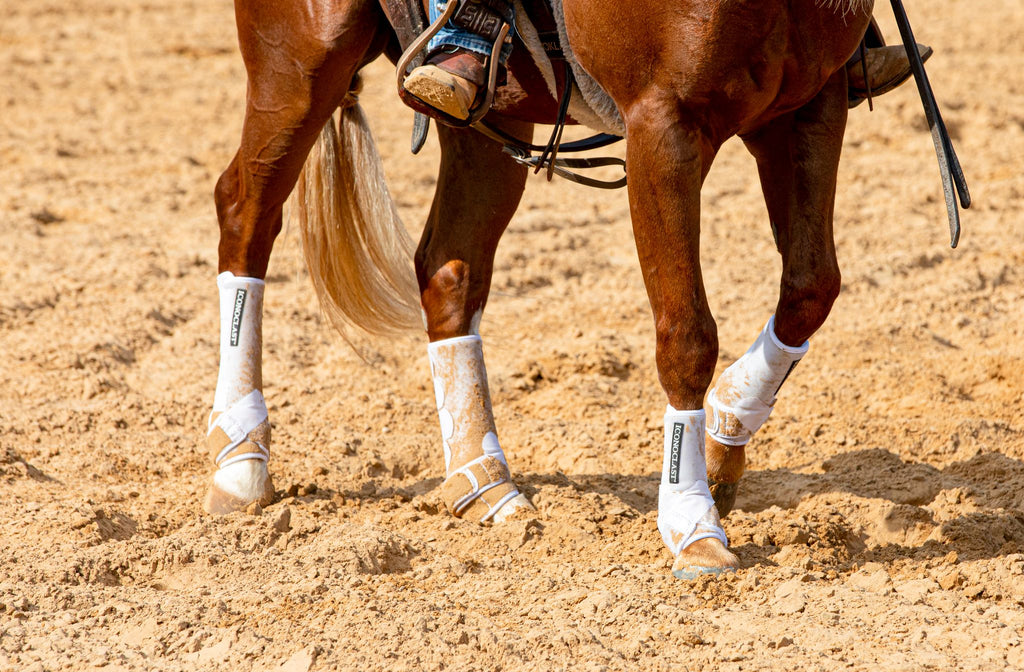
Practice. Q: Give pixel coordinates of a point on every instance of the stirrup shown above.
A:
(481, 18)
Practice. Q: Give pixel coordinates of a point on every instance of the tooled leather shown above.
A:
(483, 17)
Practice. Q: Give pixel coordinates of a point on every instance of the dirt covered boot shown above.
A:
(449, 81)
(470, 41)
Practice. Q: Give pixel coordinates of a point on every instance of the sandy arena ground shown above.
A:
(881, 526)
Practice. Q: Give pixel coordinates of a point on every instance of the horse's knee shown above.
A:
(248, 225)
(805, 301)
(450, 303)
(686, 355)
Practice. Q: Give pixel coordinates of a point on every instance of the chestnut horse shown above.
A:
(685, 75)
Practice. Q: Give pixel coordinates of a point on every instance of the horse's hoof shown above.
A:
(516, 505)
(704, 557)
(236, 486)
(724, 495)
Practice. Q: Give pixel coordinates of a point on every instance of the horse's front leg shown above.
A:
(299, 67)
(668, 160)
(797, 158)
(478, 190)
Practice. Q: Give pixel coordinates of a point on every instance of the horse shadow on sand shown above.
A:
(889, 507)
(974, 507)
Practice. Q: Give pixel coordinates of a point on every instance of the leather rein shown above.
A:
(521, 151)
(954, 185)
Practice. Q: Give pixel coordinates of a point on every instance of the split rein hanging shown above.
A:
(520, 151)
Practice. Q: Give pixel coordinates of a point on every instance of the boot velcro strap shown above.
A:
(224, 451)
(483, 17)
(709, 526)
(242, 432)
(734, 425)
(727, 429)
(470, 482)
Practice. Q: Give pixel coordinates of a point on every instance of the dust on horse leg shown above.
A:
(295, 83)
(478, 190)
(668, 160)
(797, 158)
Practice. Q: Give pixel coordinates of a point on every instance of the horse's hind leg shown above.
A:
(797, 158)
(300, 59)
(668, 157)
(478, 191)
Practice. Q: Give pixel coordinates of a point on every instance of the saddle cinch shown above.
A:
(492, 20)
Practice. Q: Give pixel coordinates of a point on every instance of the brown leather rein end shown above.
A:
(559, 167)
(954, 185)
(864, 69)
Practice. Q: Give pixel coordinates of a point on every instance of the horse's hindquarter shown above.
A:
(729, 65)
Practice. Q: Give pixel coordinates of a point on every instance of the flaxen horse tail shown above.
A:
(358, 252)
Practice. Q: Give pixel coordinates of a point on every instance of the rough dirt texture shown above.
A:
(881, 525)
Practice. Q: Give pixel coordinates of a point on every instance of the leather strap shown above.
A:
(409, 20)
(954, 185)
(484, 17)
(520, 151)
(478, 489)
